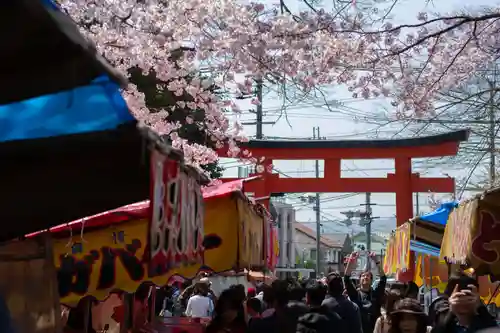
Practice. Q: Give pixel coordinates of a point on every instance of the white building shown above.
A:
(334, 248)
(285, 219)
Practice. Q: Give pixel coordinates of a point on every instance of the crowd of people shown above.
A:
(335, 304)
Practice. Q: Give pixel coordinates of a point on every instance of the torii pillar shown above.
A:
(403, 182)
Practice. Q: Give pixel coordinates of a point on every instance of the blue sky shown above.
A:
(348, 121)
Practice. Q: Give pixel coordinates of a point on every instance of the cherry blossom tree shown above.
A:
(236, 43)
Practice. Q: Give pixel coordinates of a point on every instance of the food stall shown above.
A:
(444, 239)
(421, 235)
(62, 119)
(471, 238)
(105, 254)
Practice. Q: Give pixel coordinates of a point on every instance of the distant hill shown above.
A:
(382, 227)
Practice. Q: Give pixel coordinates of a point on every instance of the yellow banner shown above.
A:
(426, 266)
(251, 233)
(112, 258)
(402, 246)
(389, 260)
(456, 243)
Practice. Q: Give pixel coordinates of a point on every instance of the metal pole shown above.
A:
(259, 110)
(492, 133)
(417, 204)
(368, 223)
(318, 215)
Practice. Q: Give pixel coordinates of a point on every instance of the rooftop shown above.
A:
(325, 240)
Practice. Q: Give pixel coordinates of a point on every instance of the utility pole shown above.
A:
(317, 210)
(492, 129)
(259, 113)
(365, 219)
(368, 221)
(417, 204)
(259, 109)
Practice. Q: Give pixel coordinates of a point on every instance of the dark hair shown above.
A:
(82, 311)
(201, 288)
(335, 284)
(411, 289)
(254, 304)
(143, 292)
(268, 296)
(260, 287)
(313, 323)
(462, 280)
(280, 293)
(239, 292)
(228, 300)
(185, 284)
(297, 293)
(316, 292)
(370, 274)
(391, 297)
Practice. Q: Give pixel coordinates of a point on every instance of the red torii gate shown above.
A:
(403, 182)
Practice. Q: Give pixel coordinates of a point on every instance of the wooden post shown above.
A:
(51, 268)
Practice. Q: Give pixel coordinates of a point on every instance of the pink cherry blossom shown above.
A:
(234, 44)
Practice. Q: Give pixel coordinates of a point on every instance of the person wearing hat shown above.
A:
(408, 316)
(383, 323)
(200, 305)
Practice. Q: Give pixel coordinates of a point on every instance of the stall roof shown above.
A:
(429, 228)
(46, 53)
(424, 248)
(225, 188)
(141, 209)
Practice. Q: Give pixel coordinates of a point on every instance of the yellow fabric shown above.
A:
(402, 246)
(440, 278)
(389, 258)
(427, 265)
(251, 234)
(456, 243)
(222, 218)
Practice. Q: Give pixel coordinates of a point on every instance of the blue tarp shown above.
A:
(424, 248)
(50, 4)
(440, 215)
(96, 107)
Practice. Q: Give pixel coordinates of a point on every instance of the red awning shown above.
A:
(140, 210)
(221, 190)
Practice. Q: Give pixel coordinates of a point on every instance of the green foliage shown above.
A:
(158, 98)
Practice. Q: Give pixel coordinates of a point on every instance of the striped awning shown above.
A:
(424, 248)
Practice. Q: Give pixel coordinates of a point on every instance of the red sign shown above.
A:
(483, 245)
(176, 223)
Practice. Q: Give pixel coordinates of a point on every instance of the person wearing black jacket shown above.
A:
(336, 302)
(315, 295)
(368, 300)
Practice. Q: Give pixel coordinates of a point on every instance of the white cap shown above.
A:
(206, 280)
